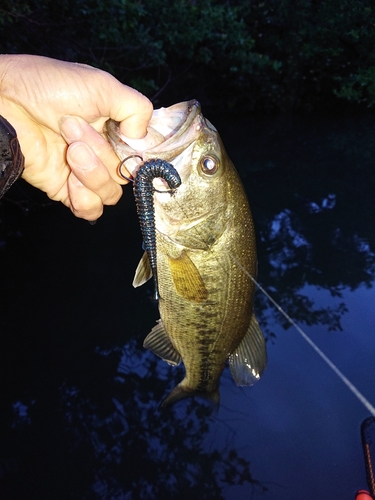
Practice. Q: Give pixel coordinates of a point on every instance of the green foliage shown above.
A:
(358, 87)
(279, 54)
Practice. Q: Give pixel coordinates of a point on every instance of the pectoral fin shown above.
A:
(159, 343)
(143, 272)
(249, 360)
(186, 278)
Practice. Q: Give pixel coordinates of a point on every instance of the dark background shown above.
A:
(290, 87)
(274, 55)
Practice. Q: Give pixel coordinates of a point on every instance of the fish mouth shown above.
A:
(171, 130)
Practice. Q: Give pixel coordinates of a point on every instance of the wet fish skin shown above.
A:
(204, 237)
(208, 321)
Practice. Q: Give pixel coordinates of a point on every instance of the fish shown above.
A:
(205, 254)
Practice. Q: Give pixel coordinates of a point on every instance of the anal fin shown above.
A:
(249, 360)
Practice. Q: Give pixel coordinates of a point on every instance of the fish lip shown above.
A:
(191, 111)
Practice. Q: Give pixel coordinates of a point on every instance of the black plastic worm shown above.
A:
(144, 199)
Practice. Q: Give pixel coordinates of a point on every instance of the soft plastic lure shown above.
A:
(144, 199)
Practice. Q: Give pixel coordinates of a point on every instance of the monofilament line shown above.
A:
(347, 382)
(304, 335)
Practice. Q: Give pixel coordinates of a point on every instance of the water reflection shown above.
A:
(79, 415)
(314, 182)
(111, 441)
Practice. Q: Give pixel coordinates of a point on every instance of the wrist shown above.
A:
(11, 158)
(12, 161)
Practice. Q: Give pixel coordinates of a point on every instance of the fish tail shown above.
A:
(181, 392)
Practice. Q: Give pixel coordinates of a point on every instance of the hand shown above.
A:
(58, 110)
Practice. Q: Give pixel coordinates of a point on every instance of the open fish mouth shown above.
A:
(170, 132)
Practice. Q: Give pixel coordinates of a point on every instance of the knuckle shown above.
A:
(86, 205)
(114, 196)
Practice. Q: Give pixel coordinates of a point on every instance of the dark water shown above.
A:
(79, 417)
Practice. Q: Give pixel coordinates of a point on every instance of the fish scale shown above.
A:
(195, 316)
(216, 334)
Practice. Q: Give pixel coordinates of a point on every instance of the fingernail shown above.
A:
(70, 128)
(80, 156)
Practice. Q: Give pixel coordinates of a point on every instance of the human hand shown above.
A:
(58, 110)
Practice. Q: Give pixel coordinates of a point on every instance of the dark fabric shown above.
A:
(12, 161)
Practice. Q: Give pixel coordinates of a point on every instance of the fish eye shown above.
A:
(209, 165)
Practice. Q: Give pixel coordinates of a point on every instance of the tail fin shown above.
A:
(181, 392)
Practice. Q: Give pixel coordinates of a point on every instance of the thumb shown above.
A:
(132, 109)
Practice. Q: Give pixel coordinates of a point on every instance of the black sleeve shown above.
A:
(12, 160)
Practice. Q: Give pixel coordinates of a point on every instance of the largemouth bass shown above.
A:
(205, 249)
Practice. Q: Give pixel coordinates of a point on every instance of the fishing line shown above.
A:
(346, 381)
(304, 335)
(361, 398)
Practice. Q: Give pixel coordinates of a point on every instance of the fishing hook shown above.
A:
(119, 168)
(131, 179)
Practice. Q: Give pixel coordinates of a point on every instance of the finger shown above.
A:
(75, 129)
(135, 126)
(132, 109)
(83, 202)
(92, 173)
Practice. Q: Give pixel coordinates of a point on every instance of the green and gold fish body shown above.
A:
(204, 242)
